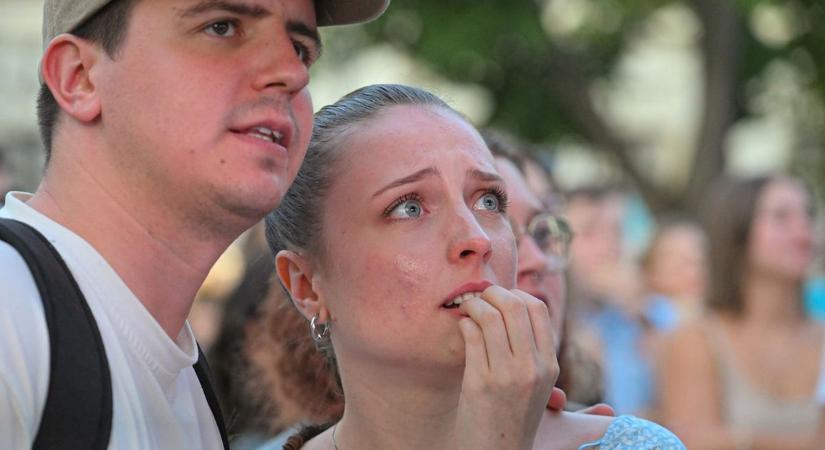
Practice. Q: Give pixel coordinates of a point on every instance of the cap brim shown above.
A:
(346, 12)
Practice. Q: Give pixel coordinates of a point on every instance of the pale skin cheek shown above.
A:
(411, 274)
(416, 279)
(398, 294)
(390, 287)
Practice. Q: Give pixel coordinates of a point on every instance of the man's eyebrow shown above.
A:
(303, 29)
(423, 173)
(255, 12)
(241, 9)
(484, 176)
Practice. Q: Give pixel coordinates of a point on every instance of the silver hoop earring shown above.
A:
(319, 331)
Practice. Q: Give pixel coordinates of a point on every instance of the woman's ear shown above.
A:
(296, 272)
(66, 68)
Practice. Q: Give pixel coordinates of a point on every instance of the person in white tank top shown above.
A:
(744, 375)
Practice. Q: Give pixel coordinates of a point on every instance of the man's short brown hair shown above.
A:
(106, 28)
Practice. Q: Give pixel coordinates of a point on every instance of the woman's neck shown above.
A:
(772, 301)
(397, 408)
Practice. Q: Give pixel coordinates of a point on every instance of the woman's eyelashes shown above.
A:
(494, 200)
(411, 205)
(408, 206)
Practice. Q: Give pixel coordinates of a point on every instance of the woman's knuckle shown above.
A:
(489, 317)
(537, 306)
(514, 306)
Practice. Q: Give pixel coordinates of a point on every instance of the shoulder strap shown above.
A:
(79, 378)
(202, 370)
(78, 410)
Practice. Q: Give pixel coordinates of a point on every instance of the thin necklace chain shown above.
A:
(334, 429)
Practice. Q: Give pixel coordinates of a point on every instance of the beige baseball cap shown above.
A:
(63, 16)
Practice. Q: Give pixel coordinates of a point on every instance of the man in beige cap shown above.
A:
(171, 126)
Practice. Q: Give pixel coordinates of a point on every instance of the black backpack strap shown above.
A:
(78, 410)
(202, 370)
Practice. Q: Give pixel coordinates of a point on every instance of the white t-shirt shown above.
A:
(158, 402)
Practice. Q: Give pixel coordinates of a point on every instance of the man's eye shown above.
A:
(305, 53)
(407, 209)
(223, 28)
(301, 51)
(489, 202)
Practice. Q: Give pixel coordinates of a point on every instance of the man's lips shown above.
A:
(271, 131)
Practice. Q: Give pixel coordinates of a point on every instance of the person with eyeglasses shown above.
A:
(552, 235)
(543, 237)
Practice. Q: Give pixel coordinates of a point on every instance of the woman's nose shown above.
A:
(470, 242)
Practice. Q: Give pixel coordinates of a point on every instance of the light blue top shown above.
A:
(628, 432)
(626, 372)
(814, 296)
(625, 433)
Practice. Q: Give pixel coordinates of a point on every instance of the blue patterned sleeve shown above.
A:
(628, 432)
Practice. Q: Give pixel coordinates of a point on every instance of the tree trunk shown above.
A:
(573, 90)
(721, 51)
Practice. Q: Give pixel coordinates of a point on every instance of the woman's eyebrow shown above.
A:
(423, 173)
(484, 176)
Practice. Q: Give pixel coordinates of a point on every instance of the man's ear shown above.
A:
(296, 272)
(66, 69)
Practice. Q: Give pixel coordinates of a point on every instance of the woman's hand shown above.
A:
(510, 370)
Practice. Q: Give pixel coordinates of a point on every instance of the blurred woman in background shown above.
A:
(744, 376)
(675, 274)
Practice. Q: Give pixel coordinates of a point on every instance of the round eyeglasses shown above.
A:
(551, 234)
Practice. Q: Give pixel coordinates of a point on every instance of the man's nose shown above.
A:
(280, 65)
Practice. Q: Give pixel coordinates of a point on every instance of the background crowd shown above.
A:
(677, 145)
(706, 330)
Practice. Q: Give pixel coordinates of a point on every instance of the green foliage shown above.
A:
(503, 46)
(540, 80)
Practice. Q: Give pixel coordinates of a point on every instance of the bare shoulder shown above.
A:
(815, 334)
(690, 340)
(565, 430)
(817, 329)
(693, 331)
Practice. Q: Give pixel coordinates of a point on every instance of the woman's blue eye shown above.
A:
(223, 28)
(407, 209)
(489, 202)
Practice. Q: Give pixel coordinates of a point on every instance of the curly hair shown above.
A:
(290, 379)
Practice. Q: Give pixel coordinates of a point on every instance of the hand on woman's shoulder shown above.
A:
(572, 430)
(566, 430)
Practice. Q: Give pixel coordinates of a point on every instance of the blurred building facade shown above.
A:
(20, 48)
